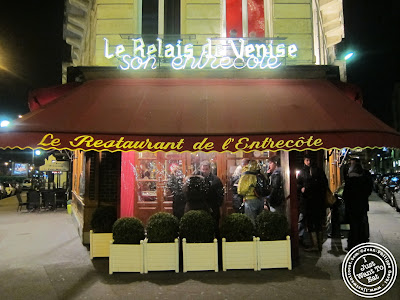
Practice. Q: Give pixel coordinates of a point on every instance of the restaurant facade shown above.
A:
(176, 40)
(177, 82)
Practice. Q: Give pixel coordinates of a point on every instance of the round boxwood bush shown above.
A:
(128, 231)
(271, 226)
(237, 227)
(197, 226)
(162, 227)
(103, 219)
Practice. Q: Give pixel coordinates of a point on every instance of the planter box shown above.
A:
(126, 258)
(274, 254)
(161, 256)
(200, 256)
(239, 255)
(100, 244)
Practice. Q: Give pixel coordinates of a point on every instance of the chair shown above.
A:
(48, 199)
(21, 203)
(60, 198)
(33, 199)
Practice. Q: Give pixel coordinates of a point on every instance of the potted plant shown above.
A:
(102, 221)
(126, 251)
(239, 246)
(274, 251)
(161, 247)
(199, 246)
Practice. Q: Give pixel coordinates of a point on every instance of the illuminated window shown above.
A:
(245, 18)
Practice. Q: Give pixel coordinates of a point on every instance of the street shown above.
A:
(42, 257)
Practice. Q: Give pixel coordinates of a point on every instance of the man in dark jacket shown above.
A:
(358, 187)
(215, 189)
(312, 185)
(275, 196)
(175, 185)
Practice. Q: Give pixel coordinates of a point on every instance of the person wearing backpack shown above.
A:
(275, 197)
(247, 187)
(237, 200)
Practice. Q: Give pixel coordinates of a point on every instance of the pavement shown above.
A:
(42, 257)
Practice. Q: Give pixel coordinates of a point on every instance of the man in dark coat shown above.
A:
(215, 189)
(275, 198)
(175, 185)
(312, 185)
(358, 187)
(195, 192)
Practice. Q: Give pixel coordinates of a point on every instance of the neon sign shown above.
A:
(238, 54)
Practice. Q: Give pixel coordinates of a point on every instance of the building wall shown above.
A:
(202, 18)
(293, 19)
(315, 26)
(114, 20)
(96, 182)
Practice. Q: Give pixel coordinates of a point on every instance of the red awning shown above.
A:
(40, 97)
(200, 114)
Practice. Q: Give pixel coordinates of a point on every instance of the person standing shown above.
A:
(358, 187)
(175, 185)
(214, 190)
(253, 203)
(312, 185)
(195, 193)
(237, 200)
(275, 198)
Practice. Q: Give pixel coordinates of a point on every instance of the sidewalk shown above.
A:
(41, 257)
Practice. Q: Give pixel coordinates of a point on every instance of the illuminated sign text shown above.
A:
(234, 53)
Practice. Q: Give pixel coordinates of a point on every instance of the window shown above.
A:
(245, 18)
(161, 17)
(150, 17)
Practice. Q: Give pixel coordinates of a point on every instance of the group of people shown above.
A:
(200, 191)
(255, 191)
(252, 190)
(312, 186)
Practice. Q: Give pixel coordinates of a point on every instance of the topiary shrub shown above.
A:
(197, 226)
(103, 219)
(237, 227)
(271, 226)
(162, 227)
(128, 231)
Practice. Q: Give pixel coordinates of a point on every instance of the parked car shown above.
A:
(395, 200)
(27, 184)
(382, 184)
(3, 193)
(392, 183)
(9, 189)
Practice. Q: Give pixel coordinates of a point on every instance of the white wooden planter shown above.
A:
(161, 256)
(239, 255)
(126, 258)
(200, 256)
(274, 254)
(100, 244)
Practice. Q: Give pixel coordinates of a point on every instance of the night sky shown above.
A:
(32, 50)
(372, 32)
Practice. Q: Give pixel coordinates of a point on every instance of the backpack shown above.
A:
(261, 188)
